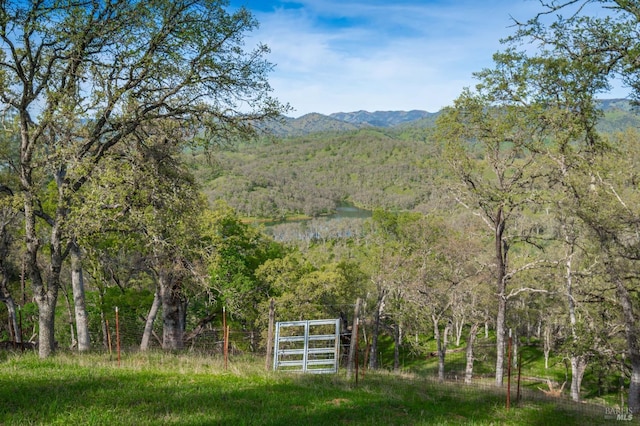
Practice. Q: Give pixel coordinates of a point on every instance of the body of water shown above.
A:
(346, 222)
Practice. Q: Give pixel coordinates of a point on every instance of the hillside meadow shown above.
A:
(159, 388)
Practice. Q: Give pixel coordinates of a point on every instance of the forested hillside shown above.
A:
(396, 167)
(313, 174)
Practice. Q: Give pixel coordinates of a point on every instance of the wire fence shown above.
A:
(523, 390)
(124, 334)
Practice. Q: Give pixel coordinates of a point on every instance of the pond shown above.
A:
(347, 221)
(350, 211)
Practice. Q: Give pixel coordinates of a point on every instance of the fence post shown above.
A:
(518, 395)
(509, 373)
(354, 339)
(118, 336)
(356, 357)
(225, 337)
(272, 316)
(108, 336)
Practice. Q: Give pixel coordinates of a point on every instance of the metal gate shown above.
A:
(307, 346)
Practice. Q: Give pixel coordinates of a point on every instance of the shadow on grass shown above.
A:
(124, 396)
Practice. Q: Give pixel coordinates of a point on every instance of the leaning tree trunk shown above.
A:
(148, 327)
(172, 331)
(77, 284)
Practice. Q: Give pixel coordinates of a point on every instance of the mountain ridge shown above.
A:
(351, 121)
(315, 122)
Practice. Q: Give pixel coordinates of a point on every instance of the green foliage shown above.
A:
(303, 291)
(316, 173)
(239, 250)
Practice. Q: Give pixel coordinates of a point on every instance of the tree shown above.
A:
(9, 215)
(491, 144)
(386, 261)
(83, 77)
(9, 222)
(143, 188)
(609, 207)
(238, 250)
(578, 57)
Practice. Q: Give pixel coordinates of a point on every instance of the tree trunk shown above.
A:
(441, 345)
(105, 331)
(515, 348)
(77, 284)
(632, 334)
(578, 366)
(578, 361)
(103, 321)
(468, 371)
(546, 345)
(46, 302)
(13, 319)
(501, 258)
(5, 295)
(459, 327)
(352, 341)
(148, 327)
(373, 356)
(172, 330)
(396, 347)
(72, 330)
(45, 294)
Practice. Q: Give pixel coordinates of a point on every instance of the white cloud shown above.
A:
(348, 55)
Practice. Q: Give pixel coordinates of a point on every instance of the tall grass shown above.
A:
(157, 388)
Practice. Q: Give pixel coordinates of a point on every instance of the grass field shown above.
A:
(156, 388)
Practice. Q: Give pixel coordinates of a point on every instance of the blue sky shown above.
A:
(348, 55)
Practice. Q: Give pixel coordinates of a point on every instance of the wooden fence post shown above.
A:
(354, 340)
(109, 339)
(272, 317)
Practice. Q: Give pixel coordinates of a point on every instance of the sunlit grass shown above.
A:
(158, 388)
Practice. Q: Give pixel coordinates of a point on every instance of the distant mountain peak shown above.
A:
(344, 121)
(349, 121)
(381, 118)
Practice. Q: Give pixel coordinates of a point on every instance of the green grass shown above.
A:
(155, 388)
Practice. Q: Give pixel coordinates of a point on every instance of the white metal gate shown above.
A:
(307, 346)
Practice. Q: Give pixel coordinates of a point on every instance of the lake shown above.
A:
(347, 221)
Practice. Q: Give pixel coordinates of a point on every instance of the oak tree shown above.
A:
(81, 77)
